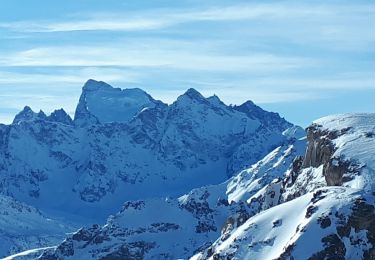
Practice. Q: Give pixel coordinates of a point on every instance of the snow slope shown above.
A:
(301, 228)
(172, 228)
(325, 206)
(123, 145)
(104, 104)
(23, 227)
(103, 158)
(356, 144)
(285, 206)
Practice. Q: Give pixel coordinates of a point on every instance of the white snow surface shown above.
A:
(123, 146)
(264, 212)
(180, 226)
(246, 196)
(23, 227)
(269, 233)
(357, 144)
(28, 254)
(309, 220)
(109, 104)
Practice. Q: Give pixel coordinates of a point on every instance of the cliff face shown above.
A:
(323, 208)
(320, 151)
(125, 145)
(298, 202)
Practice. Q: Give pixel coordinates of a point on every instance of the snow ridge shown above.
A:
(122, 142)
(217, 181)
(282, 207)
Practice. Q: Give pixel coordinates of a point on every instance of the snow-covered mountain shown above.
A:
(101, 103)
(123, 145)
(194, 179)
(298, 202)
(326, 201)
(172, 228)
(124, 141)
(23, 226)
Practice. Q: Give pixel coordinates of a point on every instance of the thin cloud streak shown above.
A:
(275, 52)
(167, 58)
(161, 18)
(67, 77)
(151, 22)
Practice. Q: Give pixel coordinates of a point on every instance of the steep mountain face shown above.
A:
(326, 201)
(123, 141)
(255, 187)
(124, 145)
(172, 228)
(286, 206)
(23, 226)
(101, 103)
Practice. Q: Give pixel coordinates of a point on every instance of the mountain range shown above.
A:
(131, 177)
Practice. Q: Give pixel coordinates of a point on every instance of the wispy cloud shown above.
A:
(162, 18)
(66, 77)
(107, 24)
(269, 52)
(147, 21)
(172, 57)
(326, 25)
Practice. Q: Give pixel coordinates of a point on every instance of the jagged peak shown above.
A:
(41, 114)
(60, 115)
(193, 93)
(26, 109)
(215, 100)
(93, 85)
(27, 114)
(250, 108)
(102, 103)
(266, 117)
(59, 111)
(249, 103)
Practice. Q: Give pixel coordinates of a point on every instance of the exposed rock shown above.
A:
(334, 248)
(319, 149)
(133, 250)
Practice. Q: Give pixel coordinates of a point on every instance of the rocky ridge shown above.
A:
(331, 217)
(308, 198)
(124, 141)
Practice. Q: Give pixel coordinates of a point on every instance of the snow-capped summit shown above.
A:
(59, 115)
(101, 103)
(324, 204)
(94, 85)
(193, 94)
(270, 119)
(199, 179)
(215, 100)
(28, 114)
(348, 142)
(123, 140)
(123, 145)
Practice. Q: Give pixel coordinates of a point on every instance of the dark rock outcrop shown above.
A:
(320, 151)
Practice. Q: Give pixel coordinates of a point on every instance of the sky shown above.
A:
(302, 59)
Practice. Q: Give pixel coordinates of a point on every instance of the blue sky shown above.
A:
(303, 59)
